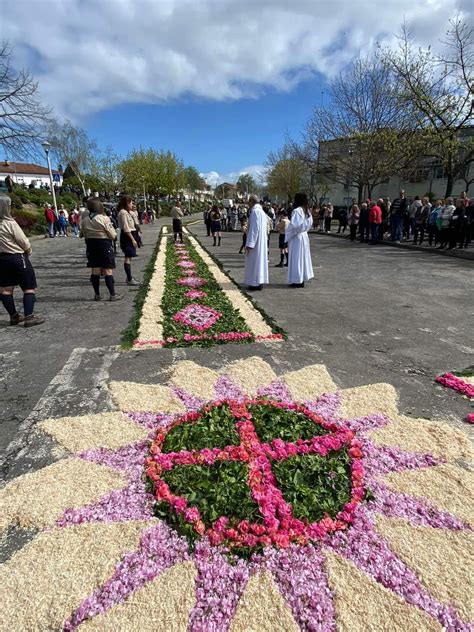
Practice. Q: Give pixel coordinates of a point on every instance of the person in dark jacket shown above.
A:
(364, 222)
(456, 225)
(398, 211)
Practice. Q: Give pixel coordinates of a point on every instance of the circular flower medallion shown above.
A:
(256, 473)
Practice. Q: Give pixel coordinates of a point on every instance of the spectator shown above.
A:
(245, 226)
(468, 233)
(342, 220)
(9, 183)
(207, 220)
(322, 212)
(375, 221)
(353, 221)
(216, 224)
(431, 223)
(74, 220)
(282, 224)
(409, 224)
(63, 223)
(328, 213)
(457, 224)
(50, 218)
(177, 217)
(444, 222)
(397, 213)
(364, 222)
(16, 268)
(421, 217)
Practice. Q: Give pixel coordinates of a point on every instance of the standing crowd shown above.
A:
(446, 224)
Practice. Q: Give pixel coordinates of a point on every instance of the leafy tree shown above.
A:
(72, 146)
(437, 89)
(246, 183)
(22, 117)
(159, 172)
(193, 181)
(286, 173)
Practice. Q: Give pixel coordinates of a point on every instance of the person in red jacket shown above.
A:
(375, 221)
(50, 218)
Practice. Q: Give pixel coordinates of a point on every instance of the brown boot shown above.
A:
(31, 321)
(16, 319)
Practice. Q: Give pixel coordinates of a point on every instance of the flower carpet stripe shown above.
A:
(190, 301)
(281, 514)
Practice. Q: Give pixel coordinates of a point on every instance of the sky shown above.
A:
(219, 82)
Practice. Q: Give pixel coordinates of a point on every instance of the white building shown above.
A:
(28, 173)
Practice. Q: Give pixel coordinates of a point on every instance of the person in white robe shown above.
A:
(300, 267)
(256, 260)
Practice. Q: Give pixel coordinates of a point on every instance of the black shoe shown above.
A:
(254, 288)
(285, 265)
(297, 284)
(97, 297)
(279, 265)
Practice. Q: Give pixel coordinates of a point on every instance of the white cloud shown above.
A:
(214, 178)
(90, 55)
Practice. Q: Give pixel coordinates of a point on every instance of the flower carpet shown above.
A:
(242, 500)
(462, 382)
(190, 301)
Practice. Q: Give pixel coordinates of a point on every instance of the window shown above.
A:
(438, 172)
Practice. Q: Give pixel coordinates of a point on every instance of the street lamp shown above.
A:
(47, 146)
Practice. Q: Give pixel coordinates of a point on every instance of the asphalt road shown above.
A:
(371, 314)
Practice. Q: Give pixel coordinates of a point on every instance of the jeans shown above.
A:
(396, 227)
(75, 229)
(353, 231)
(374, 232)
(51, 229)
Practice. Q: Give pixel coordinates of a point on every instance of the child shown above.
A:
(282, 225)
(245, 226)
(63, 224)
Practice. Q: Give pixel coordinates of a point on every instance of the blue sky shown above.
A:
(218, 82)
(211, 135)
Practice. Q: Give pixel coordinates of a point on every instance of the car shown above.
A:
(3, 188)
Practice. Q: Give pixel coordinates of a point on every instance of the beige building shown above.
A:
(426, 177)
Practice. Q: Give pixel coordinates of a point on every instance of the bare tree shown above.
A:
(22, 116)
(364, 136)
(72, 146)
(438, 89)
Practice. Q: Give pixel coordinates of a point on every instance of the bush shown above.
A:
(30, 221)
(16, 201)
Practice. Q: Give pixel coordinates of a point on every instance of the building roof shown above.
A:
(24, 168)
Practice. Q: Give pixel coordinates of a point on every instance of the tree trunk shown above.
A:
(449, 186)
(360, 193)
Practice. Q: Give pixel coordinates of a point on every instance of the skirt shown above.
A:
(281, 242)
(126, 245)
(17, 270)
(216, 226)
(100, 254)
(177, 226)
